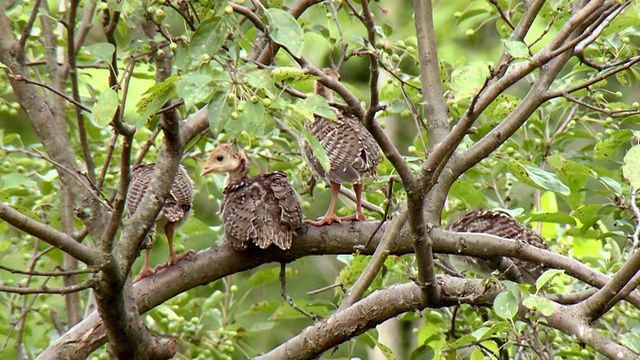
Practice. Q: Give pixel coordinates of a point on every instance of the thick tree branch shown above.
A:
(570, 321)
(375, 309)
(314, 241)
(50, 235)
(601, 302)
(435, 107)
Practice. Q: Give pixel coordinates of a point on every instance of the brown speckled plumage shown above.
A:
(352, 152)
(501, 224)
(174, 212)
(263, 209)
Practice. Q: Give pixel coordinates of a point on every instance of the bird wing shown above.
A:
(502, 224)
(263, 209)
(282, 206)
(352, 151)
(180, 197)
(237, 210)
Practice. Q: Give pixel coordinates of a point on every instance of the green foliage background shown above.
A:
(562, 173)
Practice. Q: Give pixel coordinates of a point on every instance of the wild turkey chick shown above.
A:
(263, 209)
(353, 154)
(174, 212)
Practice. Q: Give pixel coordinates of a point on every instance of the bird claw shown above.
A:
(144, 272)
(358, 216)
(174, 260)
(325, 220)
(177, 258)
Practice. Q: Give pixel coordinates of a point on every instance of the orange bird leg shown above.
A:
(359, 215)
(330, 216)
(169, 229)
(146, 269)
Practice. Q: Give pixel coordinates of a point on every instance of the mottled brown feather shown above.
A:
(178, 203)
(353, 153)
(263, 210)
(501, 224)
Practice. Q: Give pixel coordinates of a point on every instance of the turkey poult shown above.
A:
(353, 154)
(501, 224)
(263, 209)
(173, 214)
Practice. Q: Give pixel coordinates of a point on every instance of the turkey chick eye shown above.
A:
(220, 158)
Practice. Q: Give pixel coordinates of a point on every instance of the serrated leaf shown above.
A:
(605, 148)
(285, 30)
(506, 305)
(287, 72)
(102, 51)
(539, 303)
(546, 277)
(467, 81)
(105, 107)
(155, 97)
(517, 49)
(631, 166)
(546, 180)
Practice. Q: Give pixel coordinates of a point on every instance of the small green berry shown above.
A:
(235, 115)
(228, 10)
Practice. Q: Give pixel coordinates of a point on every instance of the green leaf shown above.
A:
(506, 305)
(208, 38)
(384, 349)
(316, 105)
(553, 217)
(631, 166)
(267, 275)
(517, 49)
(539, 303)
(155, 97)
(215, 107)
(102, 51)
(286, 73)
(194, 89)
(106, 106)
(317, 150)
(605, 148)
(546, 277)
(285, 30)
(468, 80)
(546, 180)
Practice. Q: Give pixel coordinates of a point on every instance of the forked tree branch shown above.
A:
(329, 240)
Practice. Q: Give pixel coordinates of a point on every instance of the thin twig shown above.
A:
(328, 287)
(636, 214)
(50, 273)
(45, 290)
(283, 292)
(52, 89)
